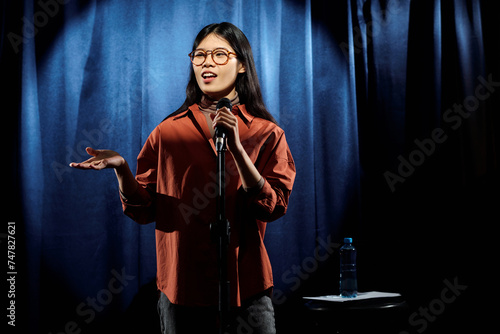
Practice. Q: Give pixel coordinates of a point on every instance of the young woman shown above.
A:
(175, 186)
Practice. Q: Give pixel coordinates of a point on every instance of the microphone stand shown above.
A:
(220, 233)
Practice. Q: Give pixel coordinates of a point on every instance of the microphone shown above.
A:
(220, 132)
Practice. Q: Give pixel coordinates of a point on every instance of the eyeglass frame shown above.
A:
(212, 54)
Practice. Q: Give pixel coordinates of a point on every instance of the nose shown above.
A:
(209, 60)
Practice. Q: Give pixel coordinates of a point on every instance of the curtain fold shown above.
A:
(359, 86)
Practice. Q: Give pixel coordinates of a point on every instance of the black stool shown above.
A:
(367, 316)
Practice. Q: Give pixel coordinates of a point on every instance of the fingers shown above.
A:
(100, 159)
(229, 121)
(79, 165)
(225, 118)
(91, 163)
(99, 164)
(91, 151)
(82, 165)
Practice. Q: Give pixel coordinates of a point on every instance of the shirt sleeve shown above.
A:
(140, 206)
(277, 168)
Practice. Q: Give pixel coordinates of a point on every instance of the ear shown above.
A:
(242, 68)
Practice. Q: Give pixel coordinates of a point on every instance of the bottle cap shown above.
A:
(348, 240)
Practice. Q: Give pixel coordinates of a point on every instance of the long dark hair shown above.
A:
(247, 83)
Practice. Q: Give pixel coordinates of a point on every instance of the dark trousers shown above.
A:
(255, 316)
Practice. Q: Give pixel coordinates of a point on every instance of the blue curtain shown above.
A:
(366, 91)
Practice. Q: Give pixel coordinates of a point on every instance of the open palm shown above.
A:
(100, 159)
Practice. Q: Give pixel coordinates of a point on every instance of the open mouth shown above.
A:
(208, 76)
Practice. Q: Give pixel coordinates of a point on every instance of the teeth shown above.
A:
(208, 75)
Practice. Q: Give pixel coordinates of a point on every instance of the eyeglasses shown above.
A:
(219, 56)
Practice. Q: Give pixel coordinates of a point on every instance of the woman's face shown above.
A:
(217, 81)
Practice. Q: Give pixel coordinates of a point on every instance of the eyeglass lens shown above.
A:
(219, 56)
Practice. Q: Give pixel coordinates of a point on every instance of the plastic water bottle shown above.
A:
(348, 277)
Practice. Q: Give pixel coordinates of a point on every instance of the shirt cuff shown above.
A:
(137, 198)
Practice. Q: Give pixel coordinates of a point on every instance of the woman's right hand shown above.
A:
(100, 159)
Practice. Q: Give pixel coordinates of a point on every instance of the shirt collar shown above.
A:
(243, 113)
(239, 110)
(182, 114)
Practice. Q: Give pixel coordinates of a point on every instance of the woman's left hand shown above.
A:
(229, 121)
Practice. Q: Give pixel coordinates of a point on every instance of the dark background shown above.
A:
(354, 84)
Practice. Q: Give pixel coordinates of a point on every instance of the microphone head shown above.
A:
(220, 132)
(224, 102)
